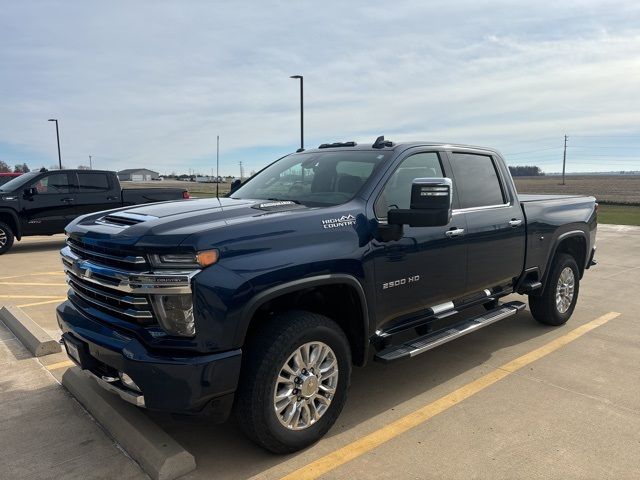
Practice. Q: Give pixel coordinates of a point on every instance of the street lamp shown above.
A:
(58, 138)
(301, 111)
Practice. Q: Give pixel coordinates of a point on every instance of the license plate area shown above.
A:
(78, 351)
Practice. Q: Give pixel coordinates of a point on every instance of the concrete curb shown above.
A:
(37, 341)
(159, 455)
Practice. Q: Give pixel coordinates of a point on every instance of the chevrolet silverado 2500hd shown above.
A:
(43, 202)
(261, 302)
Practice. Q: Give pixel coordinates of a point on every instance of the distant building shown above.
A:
(137, 175)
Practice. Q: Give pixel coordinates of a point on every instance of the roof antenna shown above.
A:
(381, 142)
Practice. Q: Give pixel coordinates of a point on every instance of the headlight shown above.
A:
(184, 260)
(175, 314)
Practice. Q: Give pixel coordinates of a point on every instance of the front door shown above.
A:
(51, 207)
(426, 267)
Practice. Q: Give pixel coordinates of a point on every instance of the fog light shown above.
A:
(128, 382)
(175, 314)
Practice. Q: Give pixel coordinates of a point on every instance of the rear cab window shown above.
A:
(92, 182)
(476, 180)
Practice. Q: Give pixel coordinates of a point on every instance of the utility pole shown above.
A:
(217, 163)
(241, 171)
(301, 78)
(564, 158)
(57, 138)
(90, 164)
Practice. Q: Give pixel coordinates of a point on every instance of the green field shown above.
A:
(619, 214)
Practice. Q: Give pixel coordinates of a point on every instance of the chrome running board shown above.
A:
(432, 340)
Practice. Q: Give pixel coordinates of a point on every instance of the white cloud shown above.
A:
(153, 83)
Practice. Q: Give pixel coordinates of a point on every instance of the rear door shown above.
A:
(52, 207)
(95, 192)
(495, 227)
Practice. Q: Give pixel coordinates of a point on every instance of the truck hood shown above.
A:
(170, 223)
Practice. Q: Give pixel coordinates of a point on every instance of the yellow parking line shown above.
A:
(34, 274)
(29, 296)
(35, 284)
(375, 439)
(63, 364)
(57, 300)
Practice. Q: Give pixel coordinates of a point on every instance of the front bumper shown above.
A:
(167, 382)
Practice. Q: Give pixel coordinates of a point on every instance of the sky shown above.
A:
(151, 84)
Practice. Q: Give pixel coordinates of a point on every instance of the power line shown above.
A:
(533, 151)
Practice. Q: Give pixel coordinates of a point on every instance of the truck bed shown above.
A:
(550, 216)
(528, 198)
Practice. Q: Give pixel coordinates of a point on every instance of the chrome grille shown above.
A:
(107, 256)
(135, 308)
(122, 293)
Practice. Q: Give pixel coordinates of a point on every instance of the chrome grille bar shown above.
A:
(126, 281)
(73, 280)
(137, 260)
(130, 312)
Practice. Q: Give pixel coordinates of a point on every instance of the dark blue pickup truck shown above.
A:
(261, 302)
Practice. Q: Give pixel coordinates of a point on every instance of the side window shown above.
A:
(52, 183)
(92, 182)
(397, 191)
(476, 180)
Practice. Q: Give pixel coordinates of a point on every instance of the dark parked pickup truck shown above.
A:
(260, 303)
(43, 202)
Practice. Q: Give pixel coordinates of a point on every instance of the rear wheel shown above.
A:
(558, 299)
(294, 381)
(6, 237)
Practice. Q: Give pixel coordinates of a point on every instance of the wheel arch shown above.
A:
(574, 243)
(310, 293)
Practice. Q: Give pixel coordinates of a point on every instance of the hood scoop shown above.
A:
(124, 219)
(277, 205)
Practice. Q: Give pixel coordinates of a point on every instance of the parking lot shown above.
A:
(514, 400)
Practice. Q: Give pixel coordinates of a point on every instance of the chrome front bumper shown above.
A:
(127, 395)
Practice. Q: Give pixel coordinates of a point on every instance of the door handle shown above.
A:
(66, 200)
(454, 232)
(515, 222)
(112, 198)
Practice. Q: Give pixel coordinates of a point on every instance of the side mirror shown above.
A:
(235, 186)
(430, 204)
(30, 192)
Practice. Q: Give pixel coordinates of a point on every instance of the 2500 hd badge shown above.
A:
(401, 281)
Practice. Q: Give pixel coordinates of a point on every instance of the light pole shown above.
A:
(301, 110)
(58, 138)
(90, 164)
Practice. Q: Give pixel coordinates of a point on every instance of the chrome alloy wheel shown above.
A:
(564, 290)
(305, 386)
(3, 238)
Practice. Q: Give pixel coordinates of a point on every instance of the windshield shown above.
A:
(314, 179)
(18, 182)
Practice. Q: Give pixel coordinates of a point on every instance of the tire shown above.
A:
(265, 356)
(553, 306)
(6, 238)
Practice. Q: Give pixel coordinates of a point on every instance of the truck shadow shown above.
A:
(375, 390)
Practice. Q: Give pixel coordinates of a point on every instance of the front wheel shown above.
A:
(6, 237)
(558, 299)
(294, 381)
